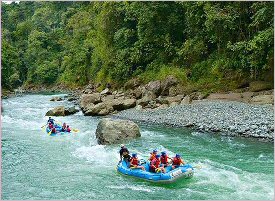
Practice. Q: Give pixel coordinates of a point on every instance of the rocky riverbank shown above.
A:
(229, 118)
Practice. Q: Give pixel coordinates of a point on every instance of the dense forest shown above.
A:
(207, 44)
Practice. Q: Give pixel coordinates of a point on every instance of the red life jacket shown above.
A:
(50, 126)
(177, 161)
(156, 163)
(134, 161)
(164, 159)
(68, 130)
(53, 130)
(152, 157)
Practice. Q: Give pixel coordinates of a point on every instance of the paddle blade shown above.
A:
(75, 130)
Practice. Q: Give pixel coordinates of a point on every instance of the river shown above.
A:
(37, 166)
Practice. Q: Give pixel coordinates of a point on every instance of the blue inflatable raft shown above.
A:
(185, 171)
(58, 129)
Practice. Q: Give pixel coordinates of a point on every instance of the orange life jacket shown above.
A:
(177, 161)
(152, 157)
(134, 161)
(164, 159)
(155, 163)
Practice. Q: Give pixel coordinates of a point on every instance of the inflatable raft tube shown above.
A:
(185, 171)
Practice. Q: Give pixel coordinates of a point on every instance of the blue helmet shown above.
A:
(177, 156)
(163, 153)
(134, 155)
(154, 151)
(157, 156)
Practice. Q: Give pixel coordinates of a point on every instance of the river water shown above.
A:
(37, 166)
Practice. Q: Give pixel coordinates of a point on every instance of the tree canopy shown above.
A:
(75, 43)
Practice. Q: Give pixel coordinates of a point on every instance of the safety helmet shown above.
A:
(134, 155)
(154, 151)
(68, 126)
(157, 156)
(177, 156)
(122, 145)
(163, 153)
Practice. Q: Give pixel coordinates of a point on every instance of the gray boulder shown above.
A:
(106, 91)
(154, 86)
(56, 99)
(112, 131)
(167, 83)
(86, 99)
(61, 111)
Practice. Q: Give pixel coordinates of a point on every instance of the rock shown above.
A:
(106, 91)
(260, 86)
(176, 90)
(162, 100)
(167, 83)
(99, 109)
(72, 98)
(70, 110)
(56, 99)
(138, 107)
(154, 86)
(138, 92)
(86, 99)
(129, 103)
(107, 98)
(163, 106)
(246, 96)
(110, 131)
(229, 96)
(186, 100)
(177, 99)
(263, 99)
(147, 97)
(173, 104)
(57, 111)
(131, 84)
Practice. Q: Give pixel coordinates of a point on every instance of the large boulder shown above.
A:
(106, 91)
(176, 99)
(61, 111)
(56, 99)
(154, 86)
(167, 83)
(86, 99)
(131, 84)
(147, 97)
(100, 109)
(112, 131)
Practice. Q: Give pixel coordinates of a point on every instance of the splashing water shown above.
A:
(74, 166)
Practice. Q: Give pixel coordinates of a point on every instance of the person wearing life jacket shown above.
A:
(164, 159)
(53, 130)
(64, 127)
(68, 128)
(50, 125)
(153, 155)
(50, 120)
(155, 165)
(134, 162)
(177, 161)
(124, 153)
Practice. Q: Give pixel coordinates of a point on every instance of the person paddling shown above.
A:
(64, 127)
(68, 129)
(134, 162)
(164, 159)
(51, 120)
(153, 155)
(155, 165)
(177, 161)
(124, 153)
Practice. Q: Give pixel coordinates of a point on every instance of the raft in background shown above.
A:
(185, 171)
(58, 129)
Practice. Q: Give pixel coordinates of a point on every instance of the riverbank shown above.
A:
(228, 118)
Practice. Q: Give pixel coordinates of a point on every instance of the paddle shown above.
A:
(44, 125)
